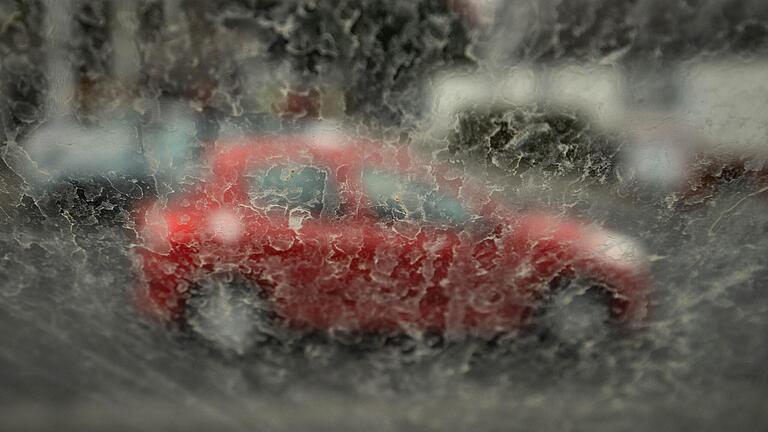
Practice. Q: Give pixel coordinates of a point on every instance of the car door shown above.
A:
(371, 266)
(455, 259)
(307, 248)
(419, 232)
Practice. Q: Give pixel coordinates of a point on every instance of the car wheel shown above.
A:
(229, 311)
(577, 314)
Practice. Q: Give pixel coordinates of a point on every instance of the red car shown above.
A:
(328, 232)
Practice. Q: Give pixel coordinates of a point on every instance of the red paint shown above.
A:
(349, 269)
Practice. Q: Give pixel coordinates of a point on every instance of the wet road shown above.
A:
(75, 354)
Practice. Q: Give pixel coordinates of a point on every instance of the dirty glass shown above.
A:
(291, 187)
(395, 198)
(569, 227)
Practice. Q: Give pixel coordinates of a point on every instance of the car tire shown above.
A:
(577, 315)
(230, 312)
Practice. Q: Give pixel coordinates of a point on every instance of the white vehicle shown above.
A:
(594, 91)
(717, 132)
(713, 130)
(64, 149)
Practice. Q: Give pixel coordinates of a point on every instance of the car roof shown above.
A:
(335, 151)
(327, 148)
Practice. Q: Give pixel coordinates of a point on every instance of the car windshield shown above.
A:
(395, 198)
(289, 186)
(384, 214)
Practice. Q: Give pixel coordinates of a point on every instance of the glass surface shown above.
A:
(623, 143)
(394, 198)
(289, 186)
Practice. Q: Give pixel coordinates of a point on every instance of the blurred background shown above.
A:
(648, 117)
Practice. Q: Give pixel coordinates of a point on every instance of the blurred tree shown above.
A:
(516, 139)
(637, 30)
(379, 52)
(22, 80)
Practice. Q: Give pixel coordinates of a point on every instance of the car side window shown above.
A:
(394, 198)
(289, 186)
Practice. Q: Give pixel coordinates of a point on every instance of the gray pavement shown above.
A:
(76, 356)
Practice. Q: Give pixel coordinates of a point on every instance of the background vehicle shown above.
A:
(531, 122)
(676, 144)
(126, 145)
(712, 135)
